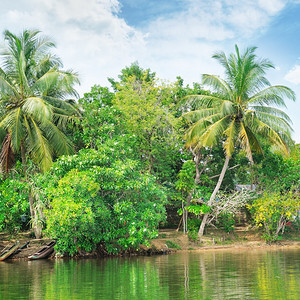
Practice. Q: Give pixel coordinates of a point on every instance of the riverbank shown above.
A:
(242, 237)
(168, 241)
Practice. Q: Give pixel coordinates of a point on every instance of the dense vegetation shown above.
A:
(125, 156)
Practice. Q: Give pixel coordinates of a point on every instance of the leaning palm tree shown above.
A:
(33, 91)
(33, 106)
(238, 111)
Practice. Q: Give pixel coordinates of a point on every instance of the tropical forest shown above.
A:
(107, 171)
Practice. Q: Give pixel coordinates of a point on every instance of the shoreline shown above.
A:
(170, 241)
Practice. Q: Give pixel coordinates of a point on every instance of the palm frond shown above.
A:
(204, 101)
(248, 141)
(219, 85)
(222, 59)
(37, 108)
(194, 132)
(46, 82)
(272, 111)
(195, 115)
(272, 95)
(67, 80)
(212, 134)
(61, 106)
(230, 132)
(281, 140)
(40, 149)
(12, 122)
(62, 120)
(61, 143)
(6, 85)
(275, 122)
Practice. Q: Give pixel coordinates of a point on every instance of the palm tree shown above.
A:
(33, 90)
(237, 113)
(33, 103)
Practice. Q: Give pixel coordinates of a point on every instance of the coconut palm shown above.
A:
(34, 104)
(238, 111)
(33, 91)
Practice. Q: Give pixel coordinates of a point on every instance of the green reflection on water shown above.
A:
(253, 274)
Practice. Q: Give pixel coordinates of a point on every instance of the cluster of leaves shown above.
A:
(226, 221)
(101, 120)
(95, 200)
(14, 206)
(273, 210)
(279, 173)
(186, 181)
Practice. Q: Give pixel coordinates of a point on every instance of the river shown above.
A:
(213, 274)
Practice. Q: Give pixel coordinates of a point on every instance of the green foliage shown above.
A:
(101, 121)
(13, 204)
(202, 193)
(33, 93)
(75, 215)
(198, 209)
(186, 178)
(134, 70)
(273, 210)
(276, 172)
(193, 226)
(239, 112)
(171, 244)
(98, 200)
(226, 221)
(147, 116)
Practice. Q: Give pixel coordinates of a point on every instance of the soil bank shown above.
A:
(169, 241)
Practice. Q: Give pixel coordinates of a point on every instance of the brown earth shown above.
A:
(242, 237)
(33, 246)
(170, 240)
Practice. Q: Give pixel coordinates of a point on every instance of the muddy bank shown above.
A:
(241, 238)
(33, 246)
(168, 241)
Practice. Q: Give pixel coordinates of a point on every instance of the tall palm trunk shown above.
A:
(34, 214)
(213, 195)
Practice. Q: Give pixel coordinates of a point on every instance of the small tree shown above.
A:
(273, 210)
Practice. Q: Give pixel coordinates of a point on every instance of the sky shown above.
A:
(98, 38)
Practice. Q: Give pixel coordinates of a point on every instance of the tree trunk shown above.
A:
(197, 157)
(213, 195)
(23, 156)
(37, 229)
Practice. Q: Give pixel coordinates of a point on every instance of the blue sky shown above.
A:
(97, 38)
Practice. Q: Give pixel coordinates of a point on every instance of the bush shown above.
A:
(193, 227)
(273, 210)
(226, 221)
(14, 205)
(108, 203)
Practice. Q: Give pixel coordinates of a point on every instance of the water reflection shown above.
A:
(203, 275)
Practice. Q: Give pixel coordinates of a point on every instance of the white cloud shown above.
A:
(272, 6)
(293, 75)
(182, 43)
(94, 41)
(90, 37)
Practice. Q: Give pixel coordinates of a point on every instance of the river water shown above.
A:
(213, 274)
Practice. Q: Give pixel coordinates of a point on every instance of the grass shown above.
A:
(171, 244)
(162, 236)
